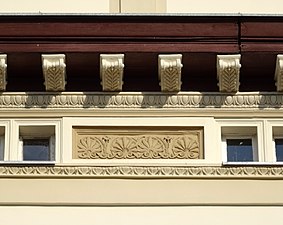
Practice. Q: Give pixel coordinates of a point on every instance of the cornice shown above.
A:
(245, 172)
(130, 100)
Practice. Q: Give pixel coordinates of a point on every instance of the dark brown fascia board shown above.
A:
(118, 34)
(140, 33)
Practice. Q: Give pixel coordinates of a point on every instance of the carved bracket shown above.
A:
(228, 72)
(169, 72)
(3, 72)
(111, 71)
(54, 72)
(279, 73)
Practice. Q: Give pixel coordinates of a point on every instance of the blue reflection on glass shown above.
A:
(36, 150)
(279, 150)
(239, 150)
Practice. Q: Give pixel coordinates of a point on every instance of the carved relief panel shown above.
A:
(137, 143)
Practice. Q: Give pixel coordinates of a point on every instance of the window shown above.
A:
(240, 150)
(277, 135)
(240, 144)
(36, 143)
(279, 149)
(2, 143)
(29, 141)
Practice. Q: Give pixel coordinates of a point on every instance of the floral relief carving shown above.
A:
(137, 145)
(186, 148)
(90, 148)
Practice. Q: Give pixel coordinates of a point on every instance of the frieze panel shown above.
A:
(114, 143)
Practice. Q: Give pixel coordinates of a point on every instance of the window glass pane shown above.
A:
(279, 150)
(239, 150)
(36, 149)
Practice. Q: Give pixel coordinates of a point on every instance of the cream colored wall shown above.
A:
(55, 6)
(224, 6)
(85, 191)
(140, 215)
(144, 6)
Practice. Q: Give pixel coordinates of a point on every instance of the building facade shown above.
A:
(134, 119)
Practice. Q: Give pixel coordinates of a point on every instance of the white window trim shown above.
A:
(270, 124)
(257, 139)
(13, 145)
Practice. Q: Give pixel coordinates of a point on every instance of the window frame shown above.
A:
(244, 131)
(13, 150)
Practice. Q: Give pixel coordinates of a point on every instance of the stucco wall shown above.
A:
(145, 6)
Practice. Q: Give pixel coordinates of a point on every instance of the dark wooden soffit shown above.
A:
(141, 38)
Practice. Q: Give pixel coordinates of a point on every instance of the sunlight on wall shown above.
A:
(224, 6)
(55, 6)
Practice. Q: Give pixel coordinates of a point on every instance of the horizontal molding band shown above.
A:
(245, 172)
(130, 100)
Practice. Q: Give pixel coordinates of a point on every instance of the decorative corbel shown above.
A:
(228, 72)
(3, 72)
(54, 72)
(111, 71)
(169, 72)
(279, 73)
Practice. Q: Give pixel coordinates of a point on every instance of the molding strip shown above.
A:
(263, 172)
(127, 100)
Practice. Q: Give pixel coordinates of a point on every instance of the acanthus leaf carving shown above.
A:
(169, 72)
(3, 72)
(54, 72)
(111, 71)
(228, 72)
(279, 73)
